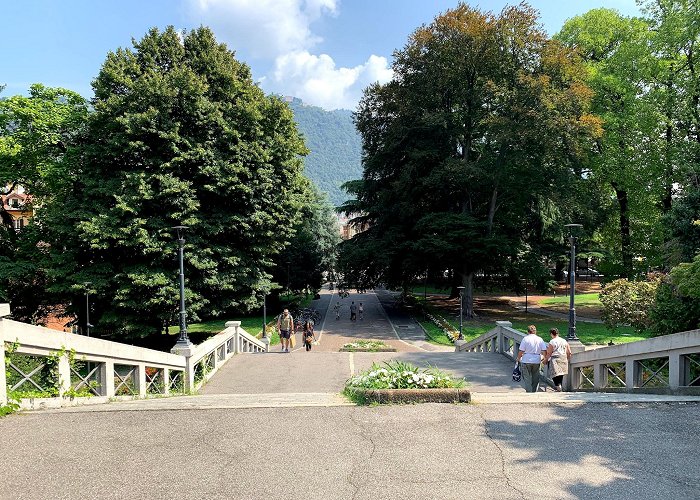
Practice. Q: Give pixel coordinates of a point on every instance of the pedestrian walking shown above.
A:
(556, 360)
(285, 325)
(309, 335)
(532, 348)
(353, 311)
(361, 311)
(336, 308)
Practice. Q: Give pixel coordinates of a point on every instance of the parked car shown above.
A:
(588, 272)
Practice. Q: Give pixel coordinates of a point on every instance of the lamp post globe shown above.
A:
(571, 335)
(183, 341)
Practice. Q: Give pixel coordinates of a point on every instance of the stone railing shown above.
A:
(55, 368)
(503, 339)
(666, 364)
(203, 360)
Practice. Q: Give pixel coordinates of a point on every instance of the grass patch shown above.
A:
(430, 289)
(588, 333)
(583, 299)
(252, 325)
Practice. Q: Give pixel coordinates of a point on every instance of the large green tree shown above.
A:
(626, 161)
(38, 133)
(180, 135)
(467, 148)
(676, 44)
(312, 248)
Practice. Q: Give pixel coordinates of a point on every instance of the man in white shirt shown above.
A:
(532, 348)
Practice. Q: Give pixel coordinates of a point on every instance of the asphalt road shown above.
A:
(425, 451)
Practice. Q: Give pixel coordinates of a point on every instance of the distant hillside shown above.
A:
(335, 147)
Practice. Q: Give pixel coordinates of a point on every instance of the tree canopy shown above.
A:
(180, 135)
(468, 149)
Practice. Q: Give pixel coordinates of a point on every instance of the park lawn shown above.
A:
(470, 331)
(418, 290)
(589, 333)
(583, 299)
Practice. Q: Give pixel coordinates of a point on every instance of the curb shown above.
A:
(384, 396)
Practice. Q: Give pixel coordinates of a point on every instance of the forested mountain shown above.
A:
(335, 147)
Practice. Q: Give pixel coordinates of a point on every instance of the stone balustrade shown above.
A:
(666, 364)
(61, 368)
(503, 339)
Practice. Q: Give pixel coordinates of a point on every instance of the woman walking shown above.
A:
(556, 360)
(309, 335)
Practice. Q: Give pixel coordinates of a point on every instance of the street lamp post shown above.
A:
(183, 340)
(264, 332)
(461, 314)
(87, 307)
(288, 284)
(571, 335)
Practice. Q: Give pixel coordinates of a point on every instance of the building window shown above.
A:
(14, 202)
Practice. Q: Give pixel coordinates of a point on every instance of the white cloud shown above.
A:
(317, 80)
(267, 28)
(280, 31)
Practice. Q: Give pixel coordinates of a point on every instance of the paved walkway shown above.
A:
(482, 451)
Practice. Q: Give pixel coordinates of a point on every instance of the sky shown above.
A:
(322, 51)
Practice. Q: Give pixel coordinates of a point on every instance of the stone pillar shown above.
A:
(459, 345)
(189, 366)
(166, 381)
(600, 371)
(63, 375)
(631, 374)
(675, 370)
(107, 379)
(501, 336)
(573, 380)
(236, 336)
(266, 341)
(141, 380)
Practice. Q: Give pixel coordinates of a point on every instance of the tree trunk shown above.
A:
(468, 294)
(625, 237)
(668, 188)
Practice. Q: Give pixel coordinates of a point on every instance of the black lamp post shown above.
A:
(264, 332)
(183, 340)
(87, 307)
(571, 335)
(461, 314)
(288, 283)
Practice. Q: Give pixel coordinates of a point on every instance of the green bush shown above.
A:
(673, 311)
(629, 302)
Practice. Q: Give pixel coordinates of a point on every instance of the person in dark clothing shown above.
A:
(309, 335)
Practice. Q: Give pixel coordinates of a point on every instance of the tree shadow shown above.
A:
(603, 450)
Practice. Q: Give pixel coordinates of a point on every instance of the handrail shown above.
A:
(106, 369)
(669, 363)
(503, 339)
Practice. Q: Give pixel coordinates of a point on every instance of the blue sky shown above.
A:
(323, 51)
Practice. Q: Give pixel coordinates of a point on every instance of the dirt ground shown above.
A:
(502, 307)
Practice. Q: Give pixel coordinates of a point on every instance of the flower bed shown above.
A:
(367, 346)
(399, 382)
(444, 325)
